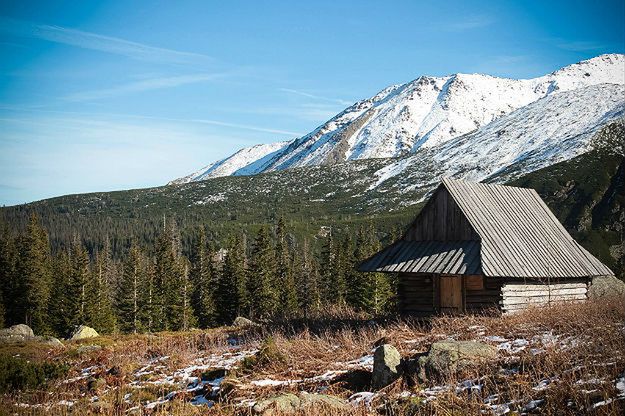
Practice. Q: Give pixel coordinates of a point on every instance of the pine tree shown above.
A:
(333, 270)
(202, 277)
(231, 289)
(104, 273)
(285, 279)
(78, 289)
(60, 306)
(308, 281)
(129, 299)
(8, 276)
(186, 318)
(261, 277)
(34, 275)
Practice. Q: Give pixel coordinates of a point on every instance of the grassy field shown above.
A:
(568, 359)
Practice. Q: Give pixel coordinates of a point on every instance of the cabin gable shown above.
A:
(441, 220)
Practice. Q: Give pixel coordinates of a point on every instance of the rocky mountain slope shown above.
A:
(422, 114)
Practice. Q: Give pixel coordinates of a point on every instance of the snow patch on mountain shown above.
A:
(422, 114)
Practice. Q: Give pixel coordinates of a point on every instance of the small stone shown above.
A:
(51, 341)
(85, 349)
(386, 366)
(242, 322)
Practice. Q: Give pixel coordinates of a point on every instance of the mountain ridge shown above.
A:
(423, 113)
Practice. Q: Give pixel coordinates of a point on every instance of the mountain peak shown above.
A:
(424, 113)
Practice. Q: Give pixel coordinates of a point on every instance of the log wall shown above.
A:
(488, 297)
(520, 295)
(416, 294)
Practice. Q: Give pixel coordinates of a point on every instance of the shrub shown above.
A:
(20, 374)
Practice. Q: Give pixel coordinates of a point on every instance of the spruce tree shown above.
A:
(262, 276)
(308, 281)
(103, 275)
(33, 277)
(61, 304)
(285, 278)
(186, 318)
(129, 299)
(79, 301)
(202, 278)
(8, 276)
(231, 289)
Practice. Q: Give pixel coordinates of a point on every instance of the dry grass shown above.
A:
(573, 356)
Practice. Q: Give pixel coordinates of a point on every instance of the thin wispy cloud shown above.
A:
(97, 42)
(315, 96)
(92, 116)
(469, 23)
(579, 45)
(142, 85)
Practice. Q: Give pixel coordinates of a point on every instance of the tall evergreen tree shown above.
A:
(308, 279)
(129, 299)
(33, 275)
(104, 274)
(8, 277)
(61, 304)
(79, 300)
(231, 295)
(262, 276)
(333, 272)
(285, 278)
(202, 277)
(186, 318)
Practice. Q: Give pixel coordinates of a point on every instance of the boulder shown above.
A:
(285, 403)
(290, 403)
(386, 366)
(83, 332)
(51, 341)
(16, 333)
(242, 322)
(606, 286)
(447, 357)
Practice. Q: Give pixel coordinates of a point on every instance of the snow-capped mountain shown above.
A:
(422, 114)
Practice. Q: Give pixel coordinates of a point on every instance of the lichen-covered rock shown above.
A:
(16, 333)
(386, 366)
(606, 286)
(242, 322)
(290, 403)
(83, 332)
(285, 403)
(51, 341)
(447, 357)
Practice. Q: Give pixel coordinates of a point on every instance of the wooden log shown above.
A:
(541, 299)
(522, 306)
(538, 287)
(546, 292)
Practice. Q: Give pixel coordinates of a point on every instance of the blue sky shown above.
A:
(98, 96)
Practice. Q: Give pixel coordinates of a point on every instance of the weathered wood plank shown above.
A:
(529, 293)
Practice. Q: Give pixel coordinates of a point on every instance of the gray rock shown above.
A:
(83, 332)
(51, 341)
(242, 322)
(447, 357)
(290, 403)
(84, 349)
(16, 333)
(285, 403)
(606, 286)
(386, 363)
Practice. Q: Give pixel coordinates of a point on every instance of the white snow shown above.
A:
(424, 114)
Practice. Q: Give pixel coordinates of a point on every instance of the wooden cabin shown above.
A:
(475, 246)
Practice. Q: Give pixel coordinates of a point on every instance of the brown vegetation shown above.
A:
(560, 360)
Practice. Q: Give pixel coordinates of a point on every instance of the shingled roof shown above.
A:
(518, 237)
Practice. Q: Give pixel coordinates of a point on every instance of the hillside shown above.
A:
(585, 192)
(421, 114)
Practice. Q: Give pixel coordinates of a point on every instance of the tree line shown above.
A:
(269, 275)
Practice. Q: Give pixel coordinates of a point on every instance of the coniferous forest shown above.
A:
(267, 275)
